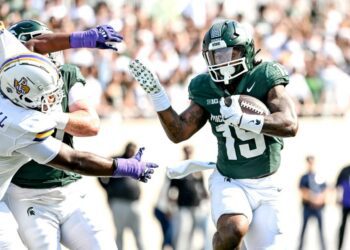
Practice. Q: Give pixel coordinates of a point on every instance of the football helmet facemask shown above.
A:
(31, 81)
(228, 49)
(28, 29)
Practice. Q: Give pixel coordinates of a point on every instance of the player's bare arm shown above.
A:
(102, 37)
(87, 163)
(83, 119)
(282, 121)
(48, 43)
(82, 162)
(181, 127)
(177, 127)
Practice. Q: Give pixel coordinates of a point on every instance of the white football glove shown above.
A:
(150, 83)
(231, 115)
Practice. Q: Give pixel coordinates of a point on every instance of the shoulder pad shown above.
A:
(37, 122)
(25, 120)
(36, 127)
(198, 84)
(20, 127)
(277, 72)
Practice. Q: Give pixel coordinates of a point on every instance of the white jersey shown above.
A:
(24, 135)
(9, 45)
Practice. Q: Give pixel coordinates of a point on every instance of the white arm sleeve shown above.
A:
(42, 152)
(76, 93)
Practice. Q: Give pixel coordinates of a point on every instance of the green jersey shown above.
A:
(35, 175)
(242, 154)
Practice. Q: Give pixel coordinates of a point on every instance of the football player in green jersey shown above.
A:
(56, 196)
(244, 194)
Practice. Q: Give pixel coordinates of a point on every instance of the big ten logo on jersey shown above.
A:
(212, 101)
(4, 121)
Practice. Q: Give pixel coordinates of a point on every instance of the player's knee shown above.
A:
(231, 230)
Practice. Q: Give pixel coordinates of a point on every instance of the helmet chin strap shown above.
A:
(227, 72)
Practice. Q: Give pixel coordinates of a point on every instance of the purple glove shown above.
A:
(134, 167)
(100, 37)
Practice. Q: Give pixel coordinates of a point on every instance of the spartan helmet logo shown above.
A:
(21, 86)
(30, 211)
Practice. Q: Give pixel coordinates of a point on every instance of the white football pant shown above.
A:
(9, 238)
(259, 200)
(49, 216)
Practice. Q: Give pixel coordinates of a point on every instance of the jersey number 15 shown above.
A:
(244, 148)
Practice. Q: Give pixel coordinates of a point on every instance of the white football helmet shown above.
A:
(31, 81)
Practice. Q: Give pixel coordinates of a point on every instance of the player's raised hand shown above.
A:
(107, 36)
(147, 79)
(102, 37)
(230, 110)
(134, 167)
(150, 83)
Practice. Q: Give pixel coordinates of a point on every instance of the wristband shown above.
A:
(126, 168)
(61, 119)
(253, 123)
(83, 39)
(160, 101)
(118, 171)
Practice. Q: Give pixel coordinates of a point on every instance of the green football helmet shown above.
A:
(27, 29)
(228, 49)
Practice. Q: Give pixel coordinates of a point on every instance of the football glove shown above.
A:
(150, 83)
(102, 37)
(232, 115)
(134, 167)
(230, 111)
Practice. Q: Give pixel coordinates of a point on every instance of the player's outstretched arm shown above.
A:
(82, 119)
(177, 127)
(101, 37)
(90, 164)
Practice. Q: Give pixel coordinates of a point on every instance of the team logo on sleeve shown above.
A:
(21, 86)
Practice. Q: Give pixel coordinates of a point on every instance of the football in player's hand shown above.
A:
(250, 105)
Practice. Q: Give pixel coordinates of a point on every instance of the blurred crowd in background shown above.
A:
(311, 38)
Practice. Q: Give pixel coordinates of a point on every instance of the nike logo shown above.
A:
(251, 87)
(255, 122)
